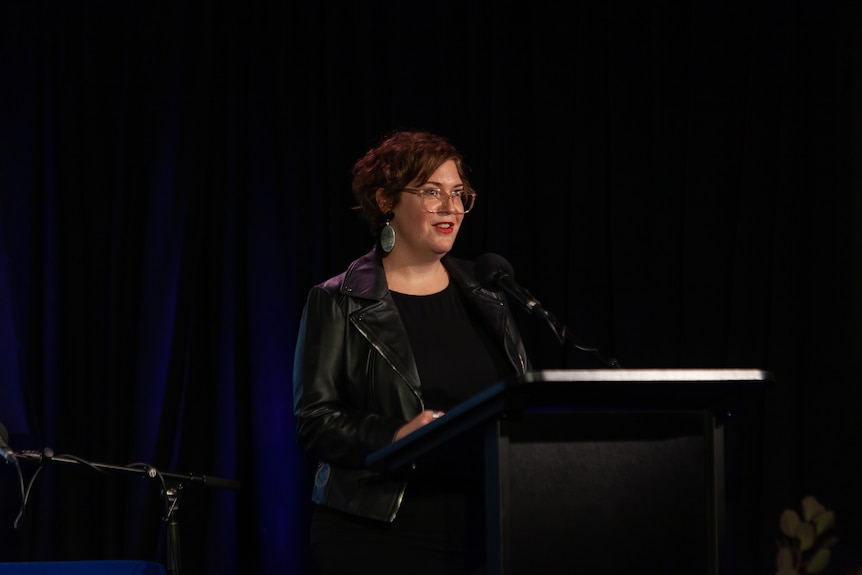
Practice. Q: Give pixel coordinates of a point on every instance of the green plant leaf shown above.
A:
(818, 561)
(825, 521)
(811, 508)
(789, 522)
(806, 535)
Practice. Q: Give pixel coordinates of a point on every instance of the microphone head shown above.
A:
(489, 267)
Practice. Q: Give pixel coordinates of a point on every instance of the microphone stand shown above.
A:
(172, 485)
(561, 332)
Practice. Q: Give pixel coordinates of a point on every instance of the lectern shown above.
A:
(598, 471)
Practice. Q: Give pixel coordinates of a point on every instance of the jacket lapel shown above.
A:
(377, 318)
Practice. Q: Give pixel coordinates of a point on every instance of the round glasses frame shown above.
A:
(436, 195)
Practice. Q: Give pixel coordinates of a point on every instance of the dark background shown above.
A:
(678, 182)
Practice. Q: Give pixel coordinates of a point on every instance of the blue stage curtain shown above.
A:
(678, 183)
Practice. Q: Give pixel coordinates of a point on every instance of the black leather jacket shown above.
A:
(356, 383)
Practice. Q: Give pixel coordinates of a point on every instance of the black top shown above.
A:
(455, 357)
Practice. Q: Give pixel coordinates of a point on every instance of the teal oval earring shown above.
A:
(387, 234)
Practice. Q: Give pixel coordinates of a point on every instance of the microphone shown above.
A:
(5, 450)
(495, 273)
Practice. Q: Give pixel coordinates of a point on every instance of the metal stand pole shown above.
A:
(172, 506)
(172, 487)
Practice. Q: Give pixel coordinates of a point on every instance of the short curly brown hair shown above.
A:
(402, 157)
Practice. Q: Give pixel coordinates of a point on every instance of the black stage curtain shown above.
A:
(678, 182)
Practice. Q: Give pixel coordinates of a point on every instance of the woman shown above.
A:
(404, 334)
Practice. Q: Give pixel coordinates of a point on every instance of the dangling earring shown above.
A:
(387, 234)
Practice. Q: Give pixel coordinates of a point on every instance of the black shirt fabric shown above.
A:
(455, 357)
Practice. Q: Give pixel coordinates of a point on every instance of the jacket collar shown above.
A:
(365, 277)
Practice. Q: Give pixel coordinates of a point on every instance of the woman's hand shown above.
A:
(418, 422)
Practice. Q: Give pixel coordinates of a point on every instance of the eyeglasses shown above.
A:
(433, 200)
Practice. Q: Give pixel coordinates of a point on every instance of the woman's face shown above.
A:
(422, 235)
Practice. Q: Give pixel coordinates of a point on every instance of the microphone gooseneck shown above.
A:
(495, 273)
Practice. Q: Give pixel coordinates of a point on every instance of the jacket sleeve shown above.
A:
(331, 421)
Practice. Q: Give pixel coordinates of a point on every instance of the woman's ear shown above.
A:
(382, 202)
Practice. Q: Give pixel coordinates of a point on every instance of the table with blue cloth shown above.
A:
(82, 568)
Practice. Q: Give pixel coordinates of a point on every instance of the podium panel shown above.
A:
(601, 494)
